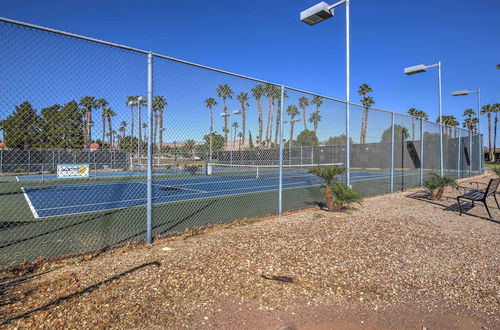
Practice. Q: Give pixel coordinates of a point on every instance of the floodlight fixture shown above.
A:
(224, 114)
(237, 112)
(460, 93)
(415, 69)
(317, 13)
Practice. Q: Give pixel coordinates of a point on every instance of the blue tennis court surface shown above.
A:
(58, 200)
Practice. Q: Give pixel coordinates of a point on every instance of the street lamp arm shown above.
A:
(337, 4)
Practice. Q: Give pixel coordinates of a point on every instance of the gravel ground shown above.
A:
(398, 261)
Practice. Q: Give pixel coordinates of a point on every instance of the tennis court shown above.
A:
(64, 199)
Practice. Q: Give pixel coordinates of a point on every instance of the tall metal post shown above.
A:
(392, 152)
(149, 206)
(1, 159)
(470, 152)
(29, 160)
(280, 188)
(440, 121)
(481, 153)
(421, 152)
(347, 93)
(459, 163)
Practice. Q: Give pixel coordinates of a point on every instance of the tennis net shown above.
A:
(269, 172)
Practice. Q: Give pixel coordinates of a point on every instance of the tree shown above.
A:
(243, 99)
(307, 138)
(130, 102)
(240, 138)
(303, 104)
(102, 104)
(338, 140)
(225, 92)
(449, 122)
(496, 109)
(278, 112)
(329, 176)
(257, 92)
(61, 127)
(367, 102)
(488, 109)
(413, 113)
(318, 101)
(21, 128)
(400, 134)
(210, 103)
(235, 126)
(315, 118)
(217, 141)
(110, 114)
(292, 111)
(88, 103)
(189, 147)
(270, 93)
(250, 140)
(159, 104)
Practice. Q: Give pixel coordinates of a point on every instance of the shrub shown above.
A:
(436, 184)
(496, 170)
(344, 195)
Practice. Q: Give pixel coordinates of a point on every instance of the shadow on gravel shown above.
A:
(466, 207)
(83, 291)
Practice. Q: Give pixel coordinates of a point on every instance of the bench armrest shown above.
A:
(477, 183)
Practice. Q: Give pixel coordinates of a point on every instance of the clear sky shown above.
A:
(265, 39)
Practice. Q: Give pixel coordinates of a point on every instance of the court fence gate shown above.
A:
(103, 144)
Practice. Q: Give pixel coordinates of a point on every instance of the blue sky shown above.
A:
(265, 39)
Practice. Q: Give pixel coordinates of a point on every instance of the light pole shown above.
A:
(423, 68)
(478, 93)
(138, 102)
(319, 13)
(227, 115)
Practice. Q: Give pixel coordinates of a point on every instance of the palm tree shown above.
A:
(122, 131)
(102, 104)
(145, 126)
(210, 103)
(488, 109)
(413, 113)
(329, 176)
(235, 126)
(315, 118)
(225, 92)
(109, 114)
(303, 104)
(468, 121)
(318, 101)
(189, 147)
(88, 103)
(449, 122)
(240, 138)
(278, 113)
(131, 102)
(257, 92)
(140, 102)
(270, 93)
(159, 104)
(367, 102)
(496, 109)
(243, 99)
(292, 111)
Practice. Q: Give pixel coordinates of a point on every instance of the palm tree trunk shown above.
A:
(278, 119)
(243, 123)
(225, 124)
(261, 123)
(316, 128)
(155, 131)
(131, 134)
(85, 138)
(413, 128)
(304, 119)
(292, 123)
(161, 127)
(495, 137)
(89, 120)
(103, 126)
(489, 137)
(269, 101)
(364, 120)
(110, 128)
(329, 199)
(210, 136)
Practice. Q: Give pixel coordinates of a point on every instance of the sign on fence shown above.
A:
(73, 171)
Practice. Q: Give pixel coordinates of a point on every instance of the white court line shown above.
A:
(35, 214)
(139, 199)
(180, 186)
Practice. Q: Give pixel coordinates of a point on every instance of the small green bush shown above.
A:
(496, 170)
(344, 195)
(436, 184)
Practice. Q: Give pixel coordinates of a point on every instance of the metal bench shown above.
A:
(478, 195)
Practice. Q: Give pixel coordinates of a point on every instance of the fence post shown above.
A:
(312, 155)
(392, 152)
(458, 157)
(1, 160)
(421, 152)
(470, 153)
(280, 188)
(149, 207)
(29, 160)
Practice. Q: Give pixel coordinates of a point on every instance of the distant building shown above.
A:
(94, 146)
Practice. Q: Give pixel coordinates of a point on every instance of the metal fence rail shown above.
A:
(145, 139)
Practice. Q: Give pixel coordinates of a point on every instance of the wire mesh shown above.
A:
(75, 126)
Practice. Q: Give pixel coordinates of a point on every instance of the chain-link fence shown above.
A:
(103, 144)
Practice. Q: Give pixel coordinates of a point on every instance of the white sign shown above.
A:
(73, 171)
